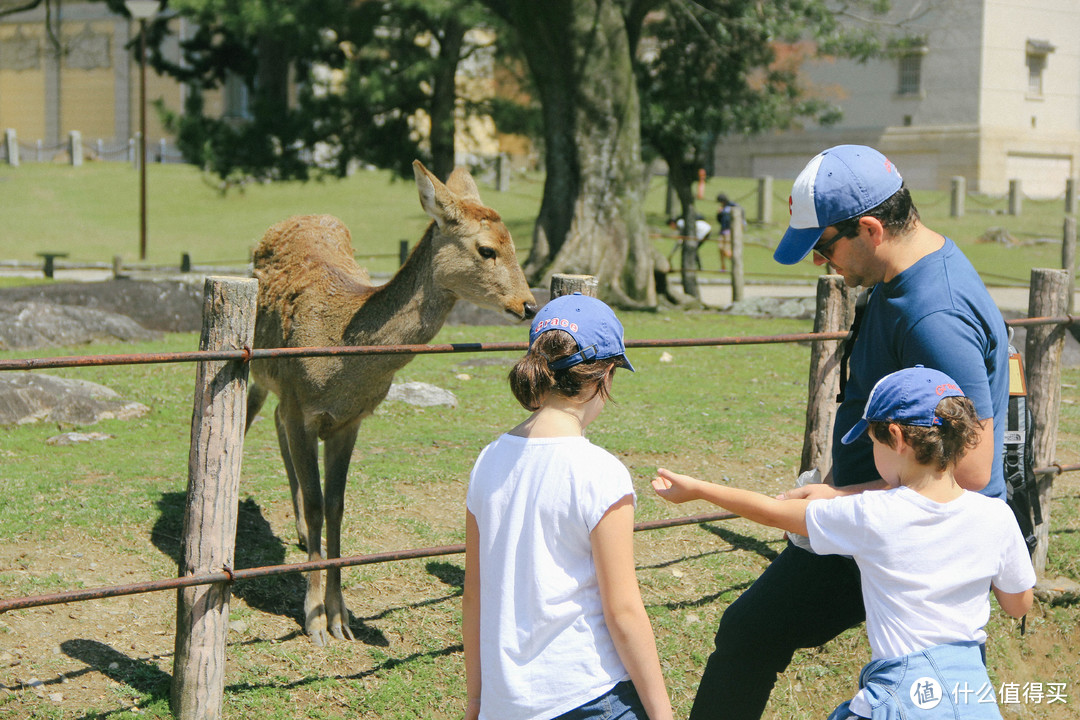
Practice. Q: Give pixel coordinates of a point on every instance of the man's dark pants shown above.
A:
(802, 600)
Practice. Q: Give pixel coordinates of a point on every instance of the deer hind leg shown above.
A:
(338, 450)
(303, 459)
(255, 398)
(294, 484)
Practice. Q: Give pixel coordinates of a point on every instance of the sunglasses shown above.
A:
(824, 247)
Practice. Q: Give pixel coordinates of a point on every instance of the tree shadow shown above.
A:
(256, 546)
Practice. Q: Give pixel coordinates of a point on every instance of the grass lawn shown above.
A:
(91, 213)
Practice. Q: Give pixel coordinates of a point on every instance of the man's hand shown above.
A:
(813, 491)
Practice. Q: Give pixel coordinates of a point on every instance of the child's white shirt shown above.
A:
(544, 645)
(926, 566)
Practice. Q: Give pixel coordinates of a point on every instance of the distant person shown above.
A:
(723, 217)
(554, 625)
(701, 228)
(925, 305)
(929, 552)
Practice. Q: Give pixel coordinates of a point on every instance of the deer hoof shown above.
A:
(342, 632)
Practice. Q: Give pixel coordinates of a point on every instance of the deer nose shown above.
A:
(530, 310)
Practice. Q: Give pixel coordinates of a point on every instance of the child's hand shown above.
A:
(674, 487)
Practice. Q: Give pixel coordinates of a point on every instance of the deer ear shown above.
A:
(462, 184)
(432, 193)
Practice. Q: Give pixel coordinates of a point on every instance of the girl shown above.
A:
(928, 551)
(554, 625)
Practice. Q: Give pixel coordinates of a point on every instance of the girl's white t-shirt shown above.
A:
(926, 566)
(544, 646)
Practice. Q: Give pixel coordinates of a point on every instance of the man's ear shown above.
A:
(873, 229)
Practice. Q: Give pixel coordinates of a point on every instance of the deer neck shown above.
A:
(410, 308)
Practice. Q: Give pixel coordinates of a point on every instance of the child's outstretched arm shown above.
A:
(784, 514)
(624, 612)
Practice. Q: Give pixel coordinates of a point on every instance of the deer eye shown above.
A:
(486, 252)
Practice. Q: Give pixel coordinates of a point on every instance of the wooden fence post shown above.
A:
(11, 143)
(738, 284)
(1068, 259)
(764, 199)
(1015, 197)
(1043, 360)
(959, 194)
(217, 438)
(835, 307)
(566, 284)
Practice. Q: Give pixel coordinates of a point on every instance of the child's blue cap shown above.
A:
(907, 397)
(592, 324)
(838, 184)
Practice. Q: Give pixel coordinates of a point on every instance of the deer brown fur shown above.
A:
(312, 293)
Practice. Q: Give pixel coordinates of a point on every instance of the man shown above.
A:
(927, 306)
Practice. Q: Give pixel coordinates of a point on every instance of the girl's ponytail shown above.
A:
(532, 380)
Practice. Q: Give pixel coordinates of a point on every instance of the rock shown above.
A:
(421, 395)
(74, 438)
(25, 325)
(33, 397)
(163, 305)
(1058, 591)
(799, 307)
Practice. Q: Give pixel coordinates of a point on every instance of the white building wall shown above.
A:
(974, 116)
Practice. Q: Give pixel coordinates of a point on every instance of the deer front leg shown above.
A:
(294, 484)
(337, 450)
(304, 451)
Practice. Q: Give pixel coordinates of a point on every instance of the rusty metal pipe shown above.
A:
(229, 575)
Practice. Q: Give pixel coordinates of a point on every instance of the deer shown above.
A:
(313, 293)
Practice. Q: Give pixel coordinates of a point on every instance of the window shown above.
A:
(1035, 59)
(910, 74)
(909, 54)
(236, 97)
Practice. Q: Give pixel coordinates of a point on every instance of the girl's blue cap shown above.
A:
(907, 397)
(592, 324)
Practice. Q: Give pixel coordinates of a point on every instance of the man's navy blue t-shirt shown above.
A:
(936, 313)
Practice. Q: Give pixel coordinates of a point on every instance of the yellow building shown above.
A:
(76, 71)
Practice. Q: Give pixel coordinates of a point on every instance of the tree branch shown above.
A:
(29, 5)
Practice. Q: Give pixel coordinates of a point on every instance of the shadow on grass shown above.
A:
(256, 546)
(142, 676)
(742, 542)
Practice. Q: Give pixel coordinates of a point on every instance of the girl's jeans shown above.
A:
(620, 702)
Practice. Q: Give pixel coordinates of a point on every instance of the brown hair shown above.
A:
(942, 445)
(532, 379)
(897, 215)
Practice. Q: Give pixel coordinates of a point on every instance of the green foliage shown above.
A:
(712, 69)
(364, 74)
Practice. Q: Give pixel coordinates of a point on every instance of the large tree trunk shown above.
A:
(444, 97)
(592, 219)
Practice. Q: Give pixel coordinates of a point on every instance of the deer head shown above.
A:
(474, 253)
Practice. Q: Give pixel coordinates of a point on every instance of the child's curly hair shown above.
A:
(532, 379)
(943, 445)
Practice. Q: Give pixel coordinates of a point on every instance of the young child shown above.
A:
(554, 625)
(928, 551)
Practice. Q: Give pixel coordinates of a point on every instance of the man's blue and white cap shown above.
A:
(592, 324)
(838, 184)
(907, 397)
